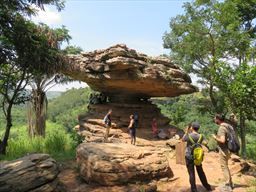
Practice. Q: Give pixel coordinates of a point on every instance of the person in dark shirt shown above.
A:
(192, 132)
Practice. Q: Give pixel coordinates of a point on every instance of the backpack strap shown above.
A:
(191, 139)
(198, 141)
(200, 138)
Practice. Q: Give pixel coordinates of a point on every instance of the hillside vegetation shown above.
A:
(64, 109)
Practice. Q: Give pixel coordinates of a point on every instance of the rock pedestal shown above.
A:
(116, 164)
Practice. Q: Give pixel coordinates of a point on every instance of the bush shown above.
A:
(57, 143)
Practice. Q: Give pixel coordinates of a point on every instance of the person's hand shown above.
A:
(214, 136)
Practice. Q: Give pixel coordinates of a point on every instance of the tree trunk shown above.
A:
(243, 132)
(37, 113)
(4, 143)
(213, 100)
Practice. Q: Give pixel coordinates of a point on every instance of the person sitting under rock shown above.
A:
(155, 130)
(132, 129)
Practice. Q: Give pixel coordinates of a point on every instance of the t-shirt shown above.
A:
(223, 132)
(107, 120)
(195, 136)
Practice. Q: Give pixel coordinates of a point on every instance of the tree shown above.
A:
(42, 81)
(21, 47)
(239, 87)
(72, 50)
(204, 41)
(207, 33)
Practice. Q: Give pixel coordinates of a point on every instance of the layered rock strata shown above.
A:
(112, 164)
(125, 75)
(32, 173)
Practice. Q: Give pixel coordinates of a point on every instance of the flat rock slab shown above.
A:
(124, 74)
(36, 172)
(119, 163)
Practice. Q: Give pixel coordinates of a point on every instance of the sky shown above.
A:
(99, 24)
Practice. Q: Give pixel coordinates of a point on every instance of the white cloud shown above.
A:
(48, 16)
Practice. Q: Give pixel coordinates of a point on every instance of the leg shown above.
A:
(134, 137)
(131, 136)
(224, 167)
(202, 177)
(191, 173)
(107, 133)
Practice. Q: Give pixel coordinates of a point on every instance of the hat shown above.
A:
(195, 125)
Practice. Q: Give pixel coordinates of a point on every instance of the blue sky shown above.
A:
(98, 24)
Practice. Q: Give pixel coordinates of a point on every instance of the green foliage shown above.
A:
(239, 88)
(251, 147)
(186, 109)
(57, 143)
(209, 32)
(72, 50)
(26, 49)
(212, 144)
(65, 109)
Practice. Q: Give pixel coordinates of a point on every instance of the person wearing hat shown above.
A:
(192, 136)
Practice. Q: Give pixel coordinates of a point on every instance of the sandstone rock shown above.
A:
(239, 167)
(125, 75)
(115, 164)
(36, 172)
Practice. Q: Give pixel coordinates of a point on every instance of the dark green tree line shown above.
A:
(211, 34)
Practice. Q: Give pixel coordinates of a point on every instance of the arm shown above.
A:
(185, 136)
(130, 125)
(220, 139)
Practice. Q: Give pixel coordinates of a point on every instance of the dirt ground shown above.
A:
(179, 183)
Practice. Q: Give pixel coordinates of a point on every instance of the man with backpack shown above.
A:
(194, 156)
(227, 143)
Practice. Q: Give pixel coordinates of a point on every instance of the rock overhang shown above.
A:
(119, 70)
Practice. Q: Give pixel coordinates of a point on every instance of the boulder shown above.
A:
(124, 75)
(118, 163)
(36, 172)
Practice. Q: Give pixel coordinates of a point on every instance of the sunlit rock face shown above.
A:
(33, 173)
(115, 164)
(126, 75)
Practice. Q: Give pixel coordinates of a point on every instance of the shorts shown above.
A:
(132, 132)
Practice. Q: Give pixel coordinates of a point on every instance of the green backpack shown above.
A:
(197, 150)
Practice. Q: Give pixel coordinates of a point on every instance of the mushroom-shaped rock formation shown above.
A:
(125, 75)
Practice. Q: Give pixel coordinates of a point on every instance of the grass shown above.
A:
(59, 144)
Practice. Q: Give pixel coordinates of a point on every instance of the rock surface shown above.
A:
(123, 74)
(33, 173)
(92, 128)
(114, 164)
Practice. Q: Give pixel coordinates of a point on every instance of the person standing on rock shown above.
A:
(107, 122)
(192, 136)
(224, 153)
(132, 129)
